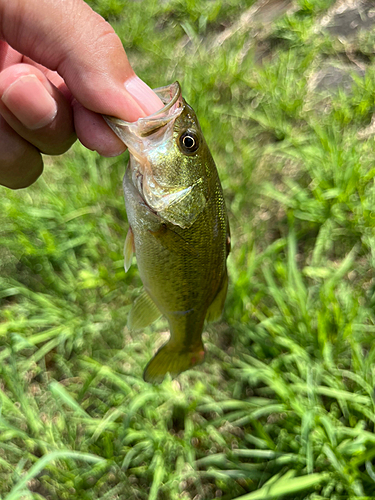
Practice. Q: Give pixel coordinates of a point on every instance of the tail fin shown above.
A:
(170, 359)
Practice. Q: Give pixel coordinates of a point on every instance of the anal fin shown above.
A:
(143, 312)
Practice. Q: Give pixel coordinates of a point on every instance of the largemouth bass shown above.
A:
(178, 230)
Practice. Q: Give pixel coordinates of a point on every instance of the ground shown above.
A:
(284, 405)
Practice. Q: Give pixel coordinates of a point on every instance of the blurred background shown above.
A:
(284, 405)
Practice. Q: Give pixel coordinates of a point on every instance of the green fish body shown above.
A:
(178, 231)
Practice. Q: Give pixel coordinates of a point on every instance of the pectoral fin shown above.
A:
(143, 313)
(217, 305)
(128, 249)
(172, 240)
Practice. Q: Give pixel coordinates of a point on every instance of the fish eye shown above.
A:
(189, 142)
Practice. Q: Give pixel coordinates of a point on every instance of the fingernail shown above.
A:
(145, 97)
(30, 102)
(117, 152)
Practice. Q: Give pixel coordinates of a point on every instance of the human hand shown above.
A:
(61, 67)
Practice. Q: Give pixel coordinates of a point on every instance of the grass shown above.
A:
(284, 406)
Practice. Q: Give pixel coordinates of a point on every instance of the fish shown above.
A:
(178, 229)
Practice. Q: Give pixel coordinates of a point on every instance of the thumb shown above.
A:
(67, 36)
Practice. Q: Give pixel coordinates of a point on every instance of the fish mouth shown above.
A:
(151, 137)
(128, 132)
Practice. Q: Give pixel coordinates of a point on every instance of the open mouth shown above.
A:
(144, 127)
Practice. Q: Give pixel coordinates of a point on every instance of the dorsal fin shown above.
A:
(217, 305)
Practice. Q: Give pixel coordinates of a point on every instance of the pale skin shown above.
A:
(61, 67)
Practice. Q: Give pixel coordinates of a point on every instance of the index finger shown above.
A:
(70, 38)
